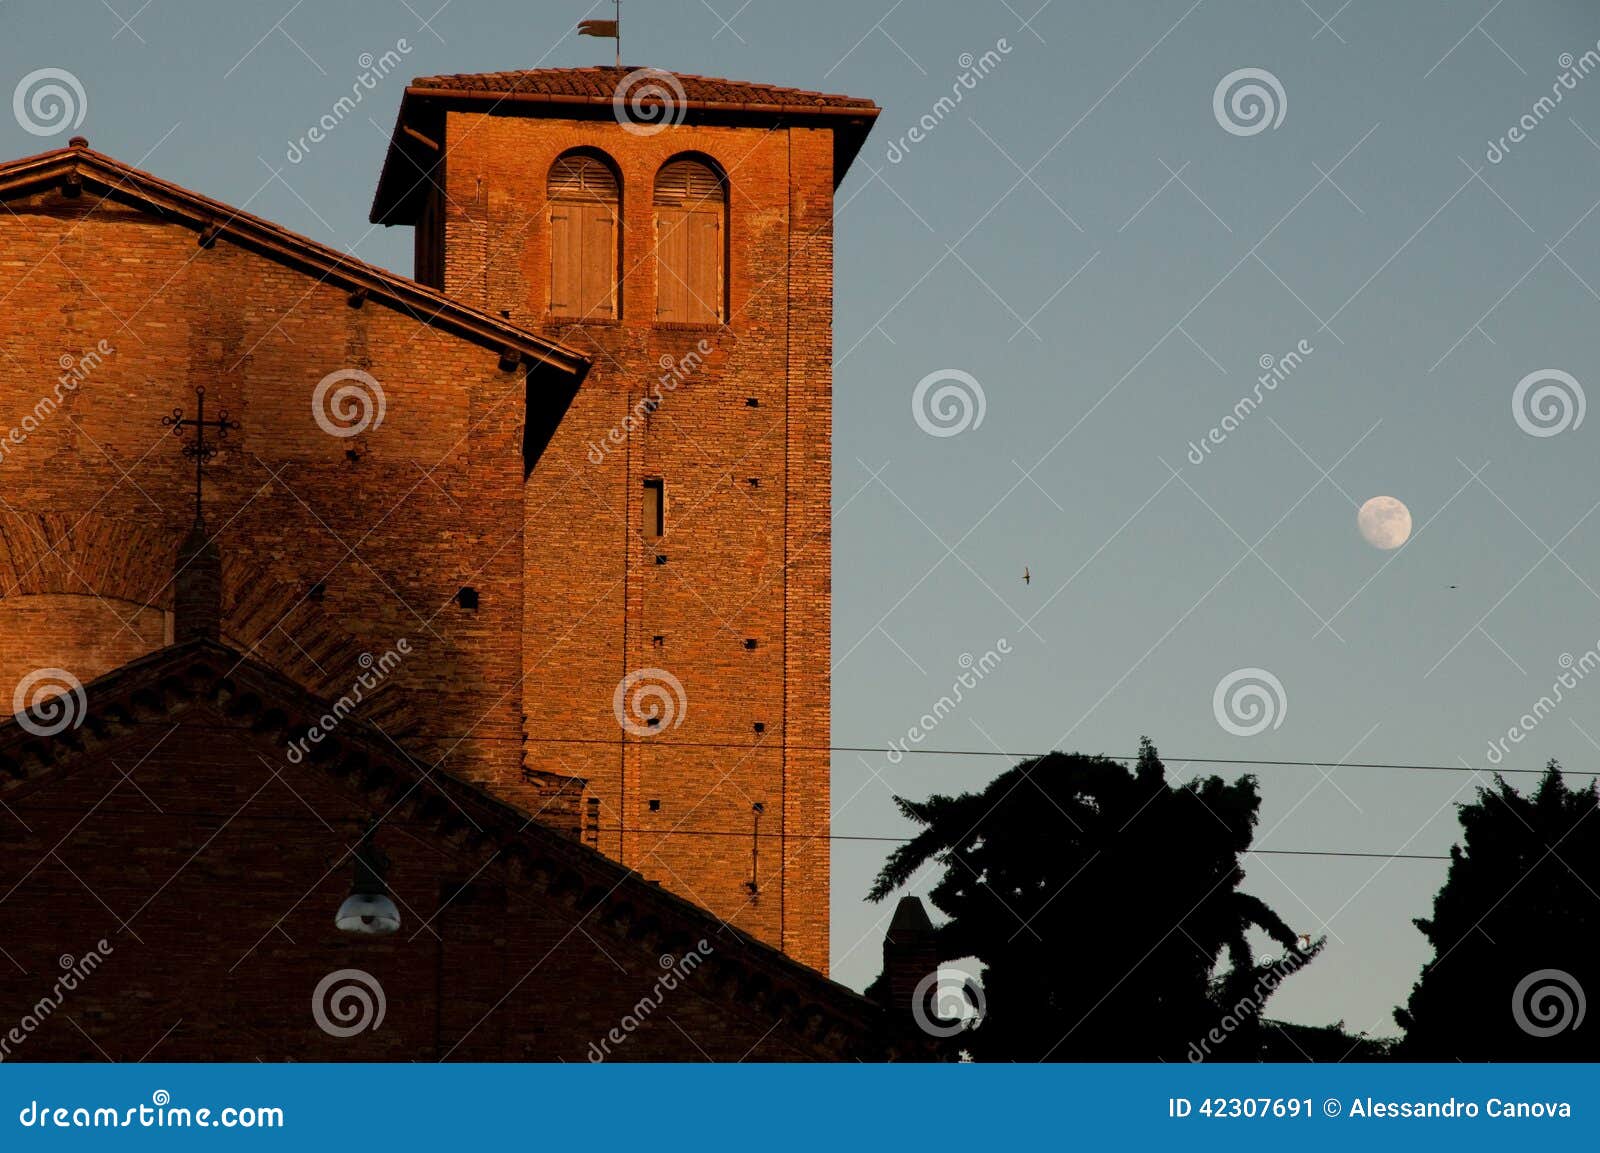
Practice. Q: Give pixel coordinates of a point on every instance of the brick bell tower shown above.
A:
(678, 230)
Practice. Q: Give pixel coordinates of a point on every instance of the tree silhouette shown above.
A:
(1514, 930)
(1102, 904)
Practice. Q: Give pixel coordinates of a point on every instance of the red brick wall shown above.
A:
(87, 635)
(742, 560)
(97, 497)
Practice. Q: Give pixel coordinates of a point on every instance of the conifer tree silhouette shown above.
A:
(1515, 931)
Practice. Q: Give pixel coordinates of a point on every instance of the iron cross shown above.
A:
(198, 449)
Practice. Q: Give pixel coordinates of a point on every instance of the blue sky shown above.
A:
(1085, 238)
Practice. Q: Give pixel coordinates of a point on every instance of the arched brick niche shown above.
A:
(92, 593)
(87, 636)
(86, 594)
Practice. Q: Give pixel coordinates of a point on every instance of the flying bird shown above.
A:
(1026, 579)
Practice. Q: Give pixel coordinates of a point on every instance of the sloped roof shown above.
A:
(78, 168)
(597, 93)
(601, 84)
(270, 710)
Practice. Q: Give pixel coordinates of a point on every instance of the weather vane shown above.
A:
(198, 449)
(605, 29)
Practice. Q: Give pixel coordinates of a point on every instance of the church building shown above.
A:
(484, 612)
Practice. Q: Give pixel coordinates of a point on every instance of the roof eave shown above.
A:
(216, 220)
(394, 205)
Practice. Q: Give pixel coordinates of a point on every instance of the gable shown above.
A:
(76, 183)
(172, 825)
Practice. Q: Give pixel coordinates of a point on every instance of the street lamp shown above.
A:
(368, 910)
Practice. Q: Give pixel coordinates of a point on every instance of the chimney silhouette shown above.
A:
(910, 953)
(197, 589)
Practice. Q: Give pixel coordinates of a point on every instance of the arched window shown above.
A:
(583, 238)
(691, 199)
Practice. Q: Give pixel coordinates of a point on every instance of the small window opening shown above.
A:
(655, 509)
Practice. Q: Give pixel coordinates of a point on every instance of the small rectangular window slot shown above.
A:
(659, 640)
(655, 806)
(749, 642)
(751, 402)
(655, 508)
(661, 558)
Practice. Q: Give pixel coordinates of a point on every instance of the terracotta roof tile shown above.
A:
(600, 84)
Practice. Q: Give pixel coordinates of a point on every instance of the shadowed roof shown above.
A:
(268, 711)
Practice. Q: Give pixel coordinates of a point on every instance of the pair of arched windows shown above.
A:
(690, 201)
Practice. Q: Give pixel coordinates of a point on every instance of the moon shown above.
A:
(1385, 522)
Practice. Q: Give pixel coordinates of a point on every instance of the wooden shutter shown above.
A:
(565, 291)
(583, 239)
(705, 265)
(690, 199)
(672, 260)
(599, 255)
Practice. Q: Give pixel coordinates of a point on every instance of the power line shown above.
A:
(244, 818)
(883, 750)
(903, 840)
